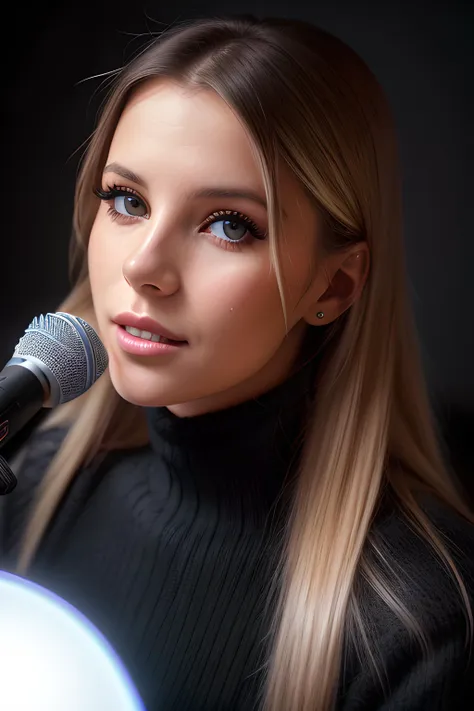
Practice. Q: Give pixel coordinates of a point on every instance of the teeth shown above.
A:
(133, 331)
(146, 335)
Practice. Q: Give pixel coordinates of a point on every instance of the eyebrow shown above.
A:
(210, 192)
(125, 173)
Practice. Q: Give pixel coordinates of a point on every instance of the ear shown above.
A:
(345, 274)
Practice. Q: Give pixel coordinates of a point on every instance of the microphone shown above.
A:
(59, 357)
(66, 661)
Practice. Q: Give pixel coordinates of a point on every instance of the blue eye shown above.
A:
(231, 230)
(130, 205)
(125, 201)
(232, 227)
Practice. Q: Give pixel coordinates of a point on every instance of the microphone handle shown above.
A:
(21, 397)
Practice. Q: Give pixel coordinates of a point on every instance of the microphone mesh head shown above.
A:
(68, 352)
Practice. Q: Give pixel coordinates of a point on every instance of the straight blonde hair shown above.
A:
(308, 101)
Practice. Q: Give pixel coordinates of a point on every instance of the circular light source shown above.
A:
(52, 658)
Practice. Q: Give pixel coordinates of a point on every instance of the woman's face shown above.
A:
(161, 249)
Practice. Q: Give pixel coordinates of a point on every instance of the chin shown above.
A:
(135, 397)
(141, 395)
(136, 388)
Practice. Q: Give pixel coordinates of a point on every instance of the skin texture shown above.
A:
(221, 296)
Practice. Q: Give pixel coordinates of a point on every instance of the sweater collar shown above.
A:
(240, 456)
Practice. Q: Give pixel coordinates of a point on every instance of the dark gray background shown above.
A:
(422, 52)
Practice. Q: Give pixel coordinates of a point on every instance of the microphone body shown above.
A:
(22, 395)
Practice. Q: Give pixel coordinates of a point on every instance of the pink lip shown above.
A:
(141, 347)
(145, 323)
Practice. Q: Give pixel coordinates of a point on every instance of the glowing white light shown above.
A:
(52, 658)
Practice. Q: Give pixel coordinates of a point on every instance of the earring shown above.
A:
(320, 314)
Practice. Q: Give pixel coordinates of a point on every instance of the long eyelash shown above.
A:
(114, 191)
(118, 191)
(254, 229)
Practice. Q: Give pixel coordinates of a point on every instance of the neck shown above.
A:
(281, 366)
(239, 458)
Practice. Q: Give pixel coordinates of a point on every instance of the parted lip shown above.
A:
(145, 323)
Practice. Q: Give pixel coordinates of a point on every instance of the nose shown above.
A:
(152, 267)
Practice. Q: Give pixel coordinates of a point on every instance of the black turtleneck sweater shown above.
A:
(170, 549)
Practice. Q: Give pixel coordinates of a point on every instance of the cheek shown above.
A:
(102, 264)
(242, 303)
(103, 260)
(93, 259)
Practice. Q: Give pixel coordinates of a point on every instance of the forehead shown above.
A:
(180, 138)
(187, 129)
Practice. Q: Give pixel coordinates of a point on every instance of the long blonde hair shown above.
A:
(307, 100)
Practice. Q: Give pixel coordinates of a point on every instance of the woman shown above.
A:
(251, 504)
